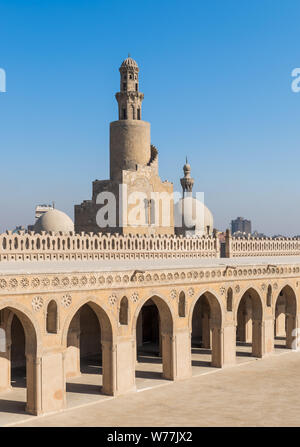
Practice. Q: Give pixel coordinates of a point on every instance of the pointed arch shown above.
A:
(123, 313)
(51, 318)
(181, 304)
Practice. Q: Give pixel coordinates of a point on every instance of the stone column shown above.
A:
(268, 336)
(168, 350)
(72, 355)
(119, 359)
(33, 385)
(45, 383)
(139, 330)
(206, 331)
(223, 345)
(257, 339)
(290, 326)
(181, 347)
(5, 368)
(248, 321)
(280, 320)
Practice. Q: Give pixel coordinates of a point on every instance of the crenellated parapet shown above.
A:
(252, 246)
(88, 246)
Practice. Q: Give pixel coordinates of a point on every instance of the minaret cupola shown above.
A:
(129, 98)
(187, 182)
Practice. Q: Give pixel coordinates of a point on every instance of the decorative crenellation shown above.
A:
(251, 246)
(61, 247)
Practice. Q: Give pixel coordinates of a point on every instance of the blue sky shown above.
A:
(217, 82)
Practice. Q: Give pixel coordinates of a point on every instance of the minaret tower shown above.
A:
(187, 182)
(129, 136)
(129, 98)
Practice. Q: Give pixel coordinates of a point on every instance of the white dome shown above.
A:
(194, 216)
(55, 221)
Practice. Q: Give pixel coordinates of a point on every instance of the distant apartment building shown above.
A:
(241, 225)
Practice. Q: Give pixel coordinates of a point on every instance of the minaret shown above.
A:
(129, 98)
(129, 136)
(187, 182)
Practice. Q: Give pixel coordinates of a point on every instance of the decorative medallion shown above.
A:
(191, 292)
(109, 279)
(24, 283)
(113, 299)
(3, 283)
(169, 276)
(66, 300)
(126, 278)
(83, 280)
(74, 281)
(101, 280)
(65, 281)
(237, 289)
(263, 286)
(55, 281)
(222, 290)
(135, 297)
(275, 286)
(45, 282)
(148, 277)
(92, 280)
(37, 303)
(13, 283)
(35, 282)
(173, 293)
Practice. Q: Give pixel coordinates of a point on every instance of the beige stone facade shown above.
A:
(204, 304)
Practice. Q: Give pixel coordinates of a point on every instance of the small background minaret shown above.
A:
(129, 98)
(187, 182)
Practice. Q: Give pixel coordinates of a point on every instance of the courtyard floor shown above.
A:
(254, 392)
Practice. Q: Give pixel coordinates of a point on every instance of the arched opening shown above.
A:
(123, 314)
(206, 324)
(181, 305)
(51, 319)
(269, 296)
(249, 326)
(154, 328)
(18, 384)
(87, 367)
(285, 318)
(17, 354)
(229, 300)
